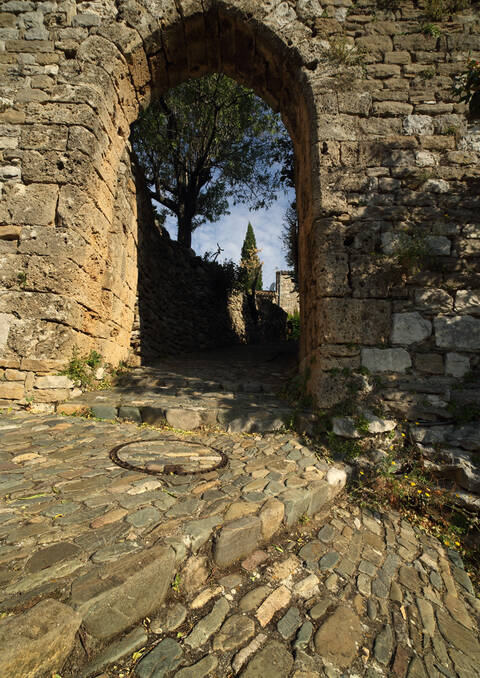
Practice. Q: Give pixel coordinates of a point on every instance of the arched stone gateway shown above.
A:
(387, 178)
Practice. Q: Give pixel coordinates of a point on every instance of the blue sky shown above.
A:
(230, 231)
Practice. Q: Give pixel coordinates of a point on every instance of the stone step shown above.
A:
(239, 418)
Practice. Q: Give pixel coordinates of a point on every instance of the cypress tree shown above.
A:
(250, 262)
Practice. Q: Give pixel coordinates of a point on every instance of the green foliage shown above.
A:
(431, 29)
(361, 424)
(80, 368)
(289, 238)
(293, 325)
(340, 52)
(250, 263)
(227, 276)
(341, 447)
(402, 482)
(428, 74)
(22, 278)
(437, 10)
(410, 252)
(467, 87)
(206, 142)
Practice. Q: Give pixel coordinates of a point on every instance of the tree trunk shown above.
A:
(185, 216)
(184, 231)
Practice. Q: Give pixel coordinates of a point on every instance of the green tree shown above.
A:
(250, 263)
(289, 238)
(204, 143)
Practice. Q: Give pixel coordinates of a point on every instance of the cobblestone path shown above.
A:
(217, 574)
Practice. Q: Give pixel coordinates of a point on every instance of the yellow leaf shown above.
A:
(136, 655)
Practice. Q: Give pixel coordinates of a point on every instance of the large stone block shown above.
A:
(457, 332)
(33, 204)
(137, 585)
(468, 301)
(338, 638)
(362, 321)
(386, 359)
(418, 124)
(36, 643)
(183, 419)
(12, 390)
(271, 517)
(410, 328)
(437, 244)
(296, 505)
(320, 494)
(433, 299)
(457, 365)
(53, 381)
(6, 320)
(237, 540)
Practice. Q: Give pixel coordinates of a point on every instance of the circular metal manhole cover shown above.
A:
(155, 457)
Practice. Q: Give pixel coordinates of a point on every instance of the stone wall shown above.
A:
(266, 323)
(181, 303)
(287, 293)
(386, 161)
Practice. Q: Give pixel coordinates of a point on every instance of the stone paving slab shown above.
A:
(107, 541)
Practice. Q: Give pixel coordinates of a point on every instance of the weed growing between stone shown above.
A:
(82, 370)
(402, 483)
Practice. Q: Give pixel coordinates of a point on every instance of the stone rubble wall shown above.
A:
(387, 165)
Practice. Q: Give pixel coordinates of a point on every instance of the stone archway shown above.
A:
(114, 72)
(376, 158)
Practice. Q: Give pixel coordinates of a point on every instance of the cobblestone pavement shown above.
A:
(218, 574)
(348, 594)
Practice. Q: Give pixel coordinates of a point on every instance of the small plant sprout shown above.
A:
(431, 29)
(176, 583)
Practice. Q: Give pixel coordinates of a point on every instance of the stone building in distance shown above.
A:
(286, 292)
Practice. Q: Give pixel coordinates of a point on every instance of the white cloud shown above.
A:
(230, 231)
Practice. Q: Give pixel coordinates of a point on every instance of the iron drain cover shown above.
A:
(165, 456)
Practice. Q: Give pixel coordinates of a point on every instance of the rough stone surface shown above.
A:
(204, 667)
(237, 540)
(37, 642)
(138, 592)
(410, 328)
(386, 359)
(208, 625)
(273, 661)
(386, 573)
(183, 419)
(390, 161)
(165, 657)
(338, 638)
(235, 633)
(457, 332)
(457, 365)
